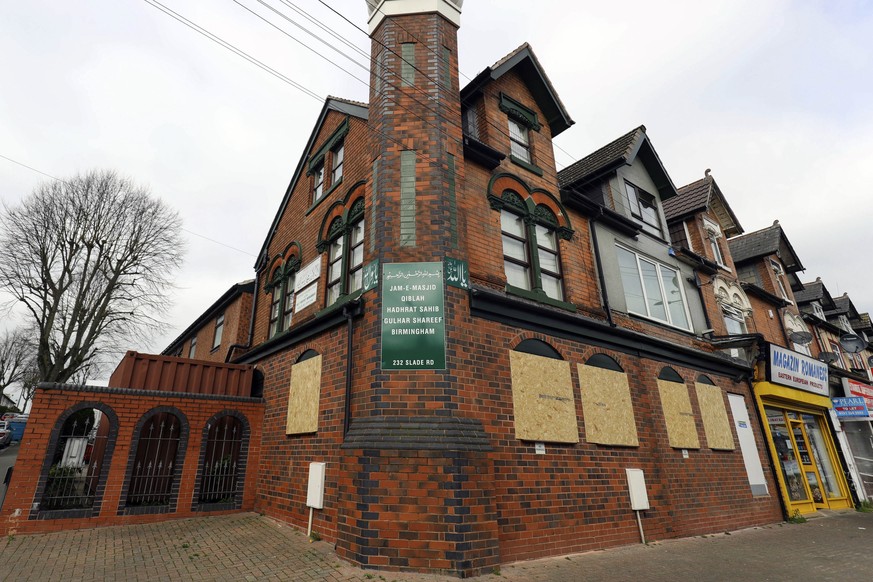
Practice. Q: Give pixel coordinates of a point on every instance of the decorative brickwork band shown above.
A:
(435, 433)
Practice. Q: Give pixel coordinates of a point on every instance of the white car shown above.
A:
(5, 434)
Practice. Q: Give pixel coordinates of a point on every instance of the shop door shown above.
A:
(808, 465)
(860, 439)
(811, 476)
(788, 457)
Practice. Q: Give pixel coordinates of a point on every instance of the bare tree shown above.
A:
(92, 260)
(17, 351)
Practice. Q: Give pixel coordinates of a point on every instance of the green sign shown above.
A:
(457, 273)
(413, 316)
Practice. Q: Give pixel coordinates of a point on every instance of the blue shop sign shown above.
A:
(851, 407)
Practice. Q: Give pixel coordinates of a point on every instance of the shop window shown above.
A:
(644, 207)
(652, 289)
(82, 444)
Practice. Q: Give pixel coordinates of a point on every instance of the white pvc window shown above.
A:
(652, 289)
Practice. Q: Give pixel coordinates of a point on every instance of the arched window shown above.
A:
(538, 348)
(281, 288)
(222, 462)
(74, 476)
(345, 247)
(531, 223)
(670, 375)
(531, 259)
(605, 362)
(157, 456)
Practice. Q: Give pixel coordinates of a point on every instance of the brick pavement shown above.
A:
(250, 547)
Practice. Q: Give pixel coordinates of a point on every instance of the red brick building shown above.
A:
(482, 350)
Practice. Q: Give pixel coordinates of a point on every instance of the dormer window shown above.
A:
(519, 141)
(644, 207)
(522, 120)
(780, 280)
(713, 233)
(843, 323)
(818, 311)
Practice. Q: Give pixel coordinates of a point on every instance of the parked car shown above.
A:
(5, 434)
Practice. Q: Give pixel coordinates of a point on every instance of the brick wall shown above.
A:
(129, 406)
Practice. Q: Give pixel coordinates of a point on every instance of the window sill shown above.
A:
(526, 165)
(323, 197)
(338, 304)
(660, 322)
(333, 187)
(539, 297)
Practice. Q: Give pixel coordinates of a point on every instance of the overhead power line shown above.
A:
(32, 169)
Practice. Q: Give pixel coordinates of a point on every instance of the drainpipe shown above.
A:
(248, 344)
(699, 286)
(603, 292)
(347, 418)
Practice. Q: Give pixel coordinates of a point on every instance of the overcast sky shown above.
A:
(776, 97)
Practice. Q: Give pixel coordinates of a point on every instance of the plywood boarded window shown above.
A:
(716, 425)
(606, 403)
(676, 404)
(304, 394)
(542, 399)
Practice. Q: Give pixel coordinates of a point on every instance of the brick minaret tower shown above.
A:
(416, 492)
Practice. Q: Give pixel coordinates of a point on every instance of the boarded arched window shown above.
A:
(605, 362)
(538, 348)
(670, 375)
(223, 463)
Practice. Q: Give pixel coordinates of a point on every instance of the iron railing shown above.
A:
(221, 466)
(77, 462)
(154, 470)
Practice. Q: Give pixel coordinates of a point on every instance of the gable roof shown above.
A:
(343, 106)
(699, 196)
(525, 62)
(211, 312)
(767, 241)
(620, 152)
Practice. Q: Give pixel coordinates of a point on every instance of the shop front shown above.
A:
(855, 418)
(794, 403)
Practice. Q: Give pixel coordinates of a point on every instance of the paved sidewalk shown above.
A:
(250, 547)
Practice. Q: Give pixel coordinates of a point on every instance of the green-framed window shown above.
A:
(345, 258)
